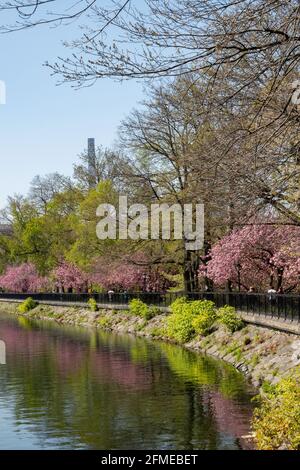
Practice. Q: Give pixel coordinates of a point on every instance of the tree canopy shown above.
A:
(219, 126)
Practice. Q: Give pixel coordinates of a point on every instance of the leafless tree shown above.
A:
(235, 129)
(44, 188)
(171, 161)
(169, 38)
(107, 165)
(27, 14)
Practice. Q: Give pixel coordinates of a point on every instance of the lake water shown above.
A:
(73, 388)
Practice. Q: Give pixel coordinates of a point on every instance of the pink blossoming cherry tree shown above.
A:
(261, 256)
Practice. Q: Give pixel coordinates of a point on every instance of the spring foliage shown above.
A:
(67, 276)
(227, 316)
(23, 278)
(93, 305)
(139, 308)
(277, 421)
(189, 318)
(27, 305)
(256, 255)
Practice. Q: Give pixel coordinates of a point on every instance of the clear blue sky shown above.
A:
(43, 127)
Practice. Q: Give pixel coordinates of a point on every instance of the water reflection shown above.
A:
(68, 387)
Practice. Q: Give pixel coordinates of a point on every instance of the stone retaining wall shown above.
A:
(263, 354)
(254, 319)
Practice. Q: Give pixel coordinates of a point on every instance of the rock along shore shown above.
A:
(262, 354)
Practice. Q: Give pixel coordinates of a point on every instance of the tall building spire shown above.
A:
(92, 161)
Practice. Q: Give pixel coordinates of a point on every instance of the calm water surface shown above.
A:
(71, 388)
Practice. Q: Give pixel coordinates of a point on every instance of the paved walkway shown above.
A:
(274, 323)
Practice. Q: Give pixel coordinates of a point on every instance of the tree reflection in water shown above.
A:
(75, 388)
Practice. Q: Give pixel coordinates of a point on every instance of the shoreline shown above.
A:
(78, 330)
(260, 353)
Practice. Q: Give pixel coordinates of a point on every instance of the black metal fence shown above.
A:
(281, 306)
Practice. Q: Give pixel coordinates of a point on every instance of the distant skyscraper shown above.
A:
(92, 161)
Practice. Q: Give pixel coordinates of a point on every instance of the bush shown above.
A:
(104, 322)
(93, 305)
(199, 307)
(153, 311)
(205, 312)
(178, 304)
(277, 421)
(188, 318)
(227, 316)
(203, 322)
(27, 305)
(180, 326)
(139, 308)
(157, 332)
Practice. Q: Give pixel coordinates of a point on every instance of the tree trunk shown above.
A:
(279, 278)
(229, 286)
(209, 284)
(190, 270)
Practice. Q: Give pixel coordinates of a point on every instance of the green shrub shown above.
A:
(195, 307)
(205, 315)
(254, 360)
(180, 326)
(178, 304)
(227, 316)
(93, 305)
(204, 321)
(154, 311)
(104, 322)
(27, 305)
(156, 332)
(198, 307)
(140, 309)
(151, 312)
(190, 317)
(277, 421)
(268, 388)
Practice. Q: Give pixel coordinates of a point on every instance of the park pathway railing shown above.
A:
(279, 306)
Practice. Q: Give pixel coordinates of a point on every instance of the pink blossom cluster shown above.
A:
(257, 255)
(23, 278)
(68, 277)
(131, 273)
(128, 274)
